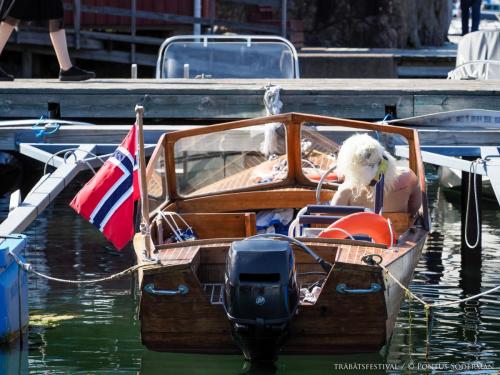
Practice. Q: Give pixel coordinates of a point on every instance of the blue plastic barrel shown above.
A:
(13, 289)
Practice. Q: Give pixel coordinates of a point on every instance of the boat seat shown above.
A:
(317, 219)
(333, 210)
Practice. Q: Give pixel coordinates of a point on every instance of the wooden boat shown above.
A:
(217, 179)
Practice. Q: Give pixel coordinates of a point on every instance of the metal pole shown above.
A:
(139, 111)
(212, 16)
(197, 14)
(77, 16)
(284, 9)
(133, 30)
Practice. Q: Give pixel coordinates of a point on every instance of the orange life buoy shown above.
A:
(367, 223)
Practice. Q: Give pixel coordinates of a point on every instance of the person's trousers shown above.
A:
(466, 6)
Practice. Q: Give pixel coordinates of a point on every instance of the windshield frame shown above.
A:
(293, 124)
(229, 38)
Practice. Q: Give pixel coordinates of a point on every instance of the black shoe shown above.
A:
(4, 76)
(75, 74)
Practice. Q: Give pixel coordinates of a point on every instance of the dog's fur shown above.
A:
(358, 161)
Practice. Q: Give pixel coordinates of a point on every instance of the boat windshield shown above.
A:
(231, 159)
(227, 59)
(157, 178)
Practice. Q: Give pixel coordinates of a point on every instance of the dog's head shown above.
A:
(361, 159)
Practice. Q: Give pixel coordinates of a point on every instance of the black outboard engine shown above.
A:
(260, 295)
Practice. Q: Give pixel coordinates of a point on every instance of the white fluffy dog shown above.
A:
(361, 161)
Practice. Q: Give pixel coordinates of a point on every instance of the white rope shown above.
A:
(448, 303)
(177, 229)
(437, 304)
(389, 223)
(295, 222)
(29, 268)
(272, 100)
(174, 231)
(273, 105)
(338, 230)
(472, 173)
(67, 153)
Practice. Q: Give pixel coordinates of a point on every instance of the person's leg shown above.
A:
(67, 72)
(476, 14)
(58, 38)
(6, 28)
(464, 7)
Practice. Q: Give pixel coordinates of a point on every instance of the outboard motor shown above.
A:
(260, 295)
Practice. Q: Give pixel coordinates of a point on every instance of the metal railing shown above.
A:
(78, 7)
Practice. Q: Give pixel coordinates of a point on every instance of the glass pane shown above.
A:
(157, 180)
(231, 159)
(321, 144)
(360, 164)
(318, 154)
(228, 59)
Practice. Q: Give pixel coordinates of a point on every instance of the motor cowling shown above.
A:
(260, 295)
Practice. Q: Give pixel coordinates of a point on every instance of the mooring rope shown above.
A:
(29, 268)
(427, 306)
(410, 296)
(71, 152)
(472, 174)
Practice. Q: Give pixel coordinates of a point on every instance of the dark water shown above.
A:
(101, 335)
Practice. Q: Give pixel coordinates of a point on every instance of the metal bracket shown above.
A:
(343, 289)
(181, 290)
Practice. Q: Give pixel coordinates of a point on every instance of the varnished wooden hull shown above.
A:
(337, 323)
(223, 207)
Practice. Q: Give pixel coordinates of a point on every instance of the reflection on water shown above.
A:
(102, 334)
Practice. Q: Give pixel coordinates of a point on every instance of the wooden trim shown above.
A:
(333, 121)
(250, 224)
(415, 157)
(175, 136)
(252, 200)
(294, 151)
(170, 167)
(217, 242)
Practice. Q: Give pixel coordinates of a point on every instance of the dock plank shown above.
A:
(231, 98)
(425, 104)
(44, 192)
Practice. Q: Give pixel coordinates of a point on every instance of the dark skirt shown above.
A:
(31, 10)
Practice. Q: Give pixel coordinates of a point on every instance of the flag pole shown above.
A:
(139, 112)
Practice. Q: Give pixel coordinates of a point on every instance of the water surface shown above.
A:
(101, 334)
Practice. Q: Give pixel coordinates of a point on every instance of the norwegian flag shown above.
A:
(107, 200)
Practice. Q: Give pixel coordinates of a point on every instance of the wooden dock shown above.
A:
(113, 100)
